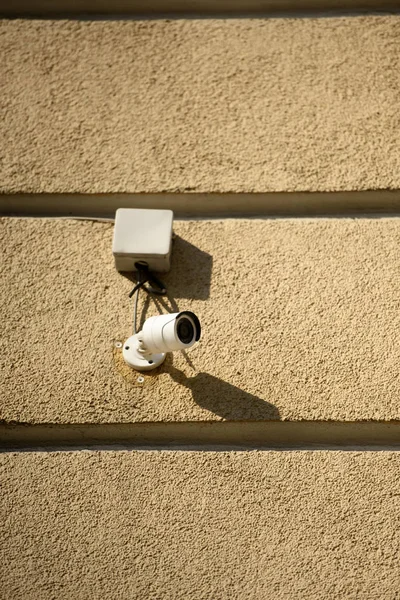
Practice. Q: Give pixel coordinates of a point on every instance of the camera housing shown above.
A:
(147, 349)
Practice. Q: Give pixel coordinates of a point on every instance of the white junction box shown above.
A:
(142, 235)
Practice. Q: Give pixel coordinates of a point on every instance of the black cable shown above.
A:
(143, 277)
(135, 306)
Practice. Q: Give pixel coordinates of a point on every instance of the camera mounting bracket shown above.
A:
(137, 357)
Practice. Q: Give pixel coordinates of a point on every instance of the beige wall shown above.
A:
(300, 321)
(166, 525)
(300, 316)
(275, 105)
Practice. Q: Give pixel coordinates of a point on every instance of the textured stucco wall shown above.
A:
(200, 105)
(300, 317)
(300, 321)
(257, 525)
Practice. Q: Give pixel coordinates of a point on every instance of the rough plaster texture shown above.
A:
(300, 320)
(200, 105)
(238, 526)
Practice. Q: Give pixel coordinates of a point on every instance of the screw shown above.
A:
(118, 344)
(140, 379)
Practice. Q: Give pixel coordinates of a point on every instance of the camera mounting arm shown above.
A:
(137, 356)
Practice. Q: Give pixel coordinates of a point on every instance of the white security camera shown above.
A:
(146, 350)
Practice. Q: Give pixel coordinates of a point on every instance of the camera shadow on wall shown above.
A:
(222, 398)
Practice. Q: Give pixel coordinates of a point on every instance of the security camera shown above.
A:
(146, 350)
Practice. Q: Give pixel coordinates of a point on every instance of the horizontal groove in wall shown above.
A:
(205, 435)
(195, 205)
(185, 8)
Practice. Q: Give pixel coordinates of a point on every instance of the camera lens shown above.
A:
(185, 330)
